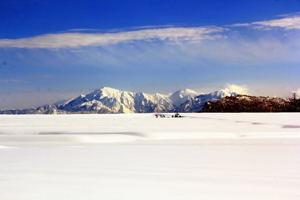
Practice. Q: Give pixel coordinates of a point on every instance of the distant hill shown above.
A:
(246, 103)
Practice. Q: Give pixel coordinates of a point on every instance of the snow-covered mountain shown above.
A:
(110, 100)
(181, 96)
(196, 103)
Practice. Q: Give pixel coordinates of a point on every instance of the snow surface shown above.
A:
(137, 156)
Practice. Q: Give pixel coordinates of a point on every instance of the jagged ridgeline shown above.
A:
(110, 100)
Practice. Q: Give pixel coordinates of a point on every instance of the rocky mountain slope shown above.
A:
(246, 103)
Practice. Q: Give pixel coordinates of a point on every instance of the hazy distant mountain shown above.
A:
(46, 109)
(110, 100)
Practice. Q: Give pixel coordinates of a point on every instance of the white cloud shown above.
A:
(88, 37)
(297, 93)
(239, 89)
(287, 22)
(72, 40)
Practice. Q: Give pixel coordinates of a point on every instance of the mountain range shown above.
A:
(110, 100)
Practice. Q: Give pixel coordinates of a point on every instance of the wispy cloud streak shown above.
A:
(287, 22)
(73, 40)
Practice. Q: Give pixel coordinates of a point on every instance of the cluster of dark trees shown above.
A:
(245, 103)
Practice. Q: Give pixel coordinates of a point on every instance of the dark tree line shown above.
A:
(245, 103)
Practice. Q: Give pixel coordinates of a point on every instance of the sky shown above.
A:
(56, 49)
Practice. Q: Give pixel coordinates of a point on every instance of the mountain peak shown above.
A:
(105, 92)
(184, 92)
(181, 96)
(107, 88)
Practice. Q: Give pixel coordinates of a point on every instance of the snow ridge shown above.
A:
(110, 100)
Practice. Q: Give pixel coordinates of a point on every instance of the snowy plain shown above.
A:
(209, 156)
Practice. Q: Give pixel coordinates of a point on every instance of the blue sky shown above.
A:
(51, 50)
